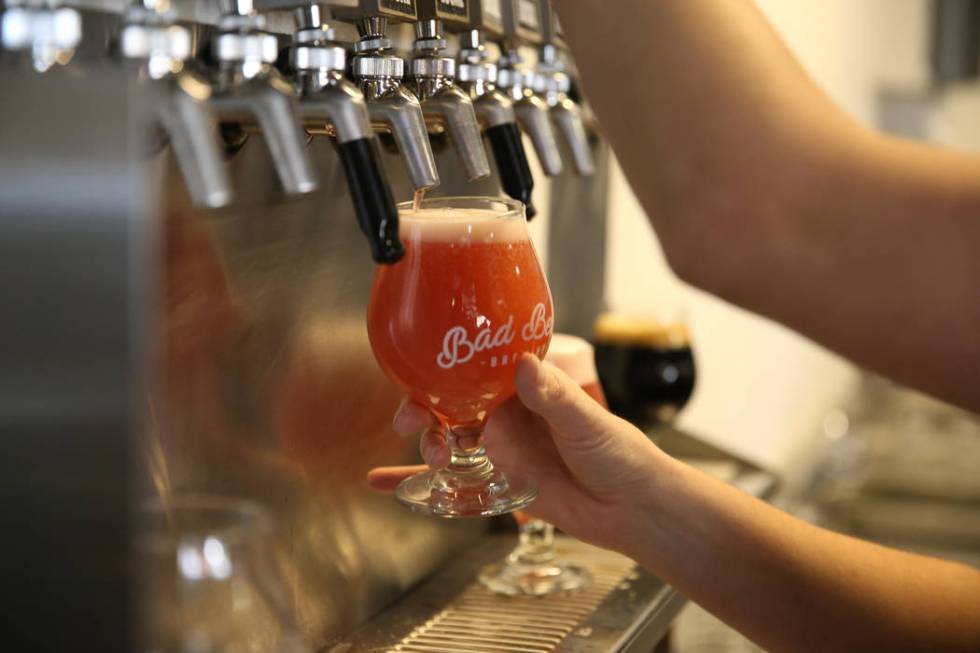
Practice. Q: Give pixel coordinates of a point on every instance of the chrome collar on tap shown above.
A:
(153, 36)
(326, 96)
(47, 30)
(242, 45)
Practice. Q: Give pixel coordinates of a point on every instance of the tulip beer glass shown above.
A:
(449, 322)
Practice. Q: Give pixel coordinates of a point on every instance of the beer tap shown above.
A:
(250, 89)
(553, 82)
(152, 38)
(331, 104)
(390, 103)
(521, 22)
(443, 102)
(478, 77)
(47, 30)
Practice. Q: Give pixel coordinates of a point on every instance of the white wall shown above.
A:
(762, 390)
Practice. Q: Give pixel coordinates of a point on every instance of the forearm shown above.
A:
(766, 194)
(706, 110)
(791, 586)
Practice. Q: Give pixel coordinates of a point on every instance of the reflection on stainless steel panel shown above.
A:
(267, 388)
(210, 579)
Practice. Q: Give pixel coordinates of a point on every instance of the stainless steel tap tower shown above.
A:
(187, 189)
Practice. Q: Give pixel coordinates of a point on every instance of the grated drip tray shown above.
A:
(479, 621)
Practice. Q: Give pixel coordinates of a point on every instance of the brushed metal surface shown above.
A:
(267, 388)
(577, 230)
(477, 620)
(76, 229)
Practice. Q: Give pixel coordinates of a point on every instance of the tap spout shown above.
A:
(451, 107)
(567, 116)
(397, 108)
(186, 117)
(268, 100)
(532, 114)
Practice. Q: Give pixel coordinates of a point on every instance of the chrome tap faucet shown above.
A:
(249, 89)
(532, 112)
(390, 103)
(495, 111)
(520, 24)
(553, 83)
(330, 104)
(45, 29)
(444, 103)
(151, 37)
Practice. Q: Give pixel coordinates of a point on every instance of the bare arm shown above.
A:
(790, 586)
(765, 193)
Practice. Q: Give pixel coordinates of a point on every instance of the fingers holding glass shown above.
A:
(534, 567)
(412, 417)
(386, 479)
(435, 453)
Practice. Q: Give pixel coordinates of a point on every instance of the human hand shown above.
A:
(590, 465)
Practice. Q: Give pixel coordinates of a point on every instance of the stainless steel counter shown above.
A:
(627, 609)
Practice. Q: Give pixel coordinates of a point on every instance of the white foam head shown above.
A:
(461, 225)
(574, 356)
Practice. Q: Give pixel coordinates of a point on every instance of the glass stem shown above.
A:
(468, 456)
(536, 545)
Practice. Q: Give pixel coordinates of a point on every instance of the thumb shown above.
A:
(576, 419)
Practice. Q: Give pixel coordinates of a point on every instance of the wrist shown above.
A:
(637, 507)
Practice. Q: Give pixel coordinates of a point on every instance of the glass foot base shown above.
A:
(446, 494)
(515, 579)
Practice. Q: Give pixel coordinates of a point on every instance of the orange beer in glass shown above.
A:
(448, 323)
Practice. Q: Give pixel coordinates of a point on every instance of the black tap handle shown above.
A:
(515, 173)
(373, 203)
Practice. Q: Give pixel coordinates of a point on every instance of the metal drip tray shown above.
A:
(451, 613)
(479, 621)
